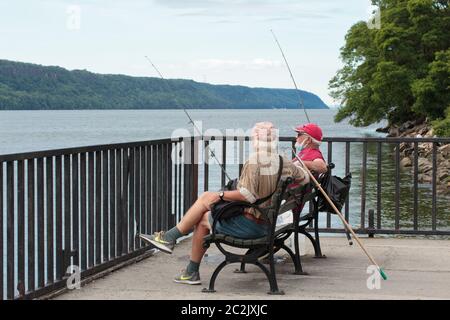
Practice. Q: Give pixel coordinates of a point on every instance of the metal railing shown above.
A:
(81, 206)
(395, 192)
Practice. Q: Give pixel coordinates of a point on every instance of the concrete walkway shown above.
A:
(417, 269)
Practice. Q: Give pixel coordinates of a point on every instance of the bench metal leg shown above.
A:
(271, 276)
(316, 245)
(213, 278)
(242, 269)
(317, 249)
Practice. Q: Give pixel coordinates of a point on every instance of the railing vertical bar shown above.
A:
(206, 166)
(169, 187)
(75, 208)
(379, 185)
(1, 228)
(58, 217)
(397, 186)
(98, 207)
(347, 171)
(416, 184)
(112, 204)
(10, 271)
(137, 196)
(154, 189)
(434, 183)
(125, 189)
(40, 217)
(148, 175)
(119, 201)
(160, 188)
(131, 214)
(91, 209)
(180, 176)
(175, 180)
(363, 186)
(194, 169)
(67, 213)
(50, 219)
(20, 228)
(165, 191)
(83, 212)
(31, 233)
(105, 209)
(330, 160)
(241, 155)
(143, 177)
(186, 175)
(224, 160)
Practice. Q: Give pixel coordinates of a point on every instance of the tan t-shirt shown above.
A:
(259, 177)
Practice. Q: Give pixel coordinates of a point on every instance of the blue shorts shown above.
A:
(240, 227)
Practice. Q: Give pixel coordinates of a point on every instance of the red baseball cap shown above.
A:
(311, 129)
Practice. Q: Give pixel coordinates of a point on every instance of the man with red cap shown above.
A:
(309, 138)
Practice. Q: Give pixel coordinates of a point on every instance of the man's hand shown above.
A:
(210, 198)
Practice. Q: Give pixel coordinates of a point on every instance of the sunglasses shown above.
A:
(299, 134)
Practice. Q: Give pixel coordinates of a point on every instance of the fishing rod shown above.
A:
(299, 97)
(187, 114)
(346, 224)
(292, 76)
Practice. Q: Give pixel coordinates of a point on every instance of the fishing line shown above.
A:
(292, 77)
(170, 90)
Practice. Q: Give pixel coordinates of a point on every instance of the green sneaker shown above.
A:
(157, 239)
(184, 277)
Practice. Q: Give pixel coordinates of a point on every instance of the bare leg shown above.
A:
(196, 212)
(201, 230)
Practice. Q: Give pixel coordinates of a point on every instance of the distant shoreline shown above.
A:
(26, 86)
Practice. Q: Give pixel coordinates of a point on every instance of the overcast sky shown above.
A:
(215, 41)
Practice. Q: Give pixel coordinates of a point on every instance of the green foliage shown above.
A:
(400, 71)
(26, 86)
(441, 127)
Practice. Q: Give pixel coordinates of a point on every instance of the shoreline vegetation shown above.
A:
(26, 86)
(399, 71)
(421, 128)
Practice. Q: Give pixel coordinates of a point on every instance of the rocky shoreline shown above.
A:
(421, 128)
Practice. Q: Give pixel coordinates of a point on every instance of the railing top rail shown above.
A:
(66, 151)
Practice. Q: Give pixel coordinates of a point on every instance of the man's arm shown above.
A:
(317, 165)
(234, 195)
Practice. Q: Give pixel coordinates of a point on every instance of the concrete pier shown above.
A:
(417, 269)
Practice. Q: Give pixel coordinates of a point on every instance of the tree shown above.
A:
(399, 71)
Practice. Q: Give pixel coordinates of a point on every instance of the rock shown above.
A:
(445, 151)
(423, 131)
(423, 162)
(403, 146)
(383, 130)
(406, 162)
(442, 176)
(393, 132)
(424, 178)
(407, 125)
(429, 134)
